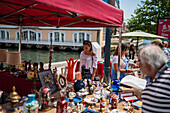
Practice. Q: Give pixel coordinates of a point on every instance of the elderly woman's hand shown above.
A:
(129, 70)
(136, 66)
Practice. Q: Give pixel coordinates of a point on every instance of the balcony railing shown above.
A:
(44, 42)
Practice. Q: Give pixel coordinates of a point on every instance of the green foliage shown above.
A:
(29, 108)
(147, 14)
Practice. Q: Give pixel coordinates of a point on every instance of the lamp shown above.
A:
(3, 57)
(13, 58)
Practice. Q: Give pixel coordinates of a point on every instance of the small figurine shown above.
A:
(131, 110)
(41, 66)
(45, 98)
(103, 104)
(55, 74)
(127, 105)
(114, 101)
(80, 107)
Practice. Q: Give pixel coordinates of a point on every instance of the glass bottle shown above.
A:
(62, 105)
(71, 105)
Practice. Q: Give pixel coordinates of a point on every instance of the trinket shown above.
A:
(31, 106)
(62, 105)
(103, 104)
(114, 101)
(45, 98)
(14, 99)
(71, 69)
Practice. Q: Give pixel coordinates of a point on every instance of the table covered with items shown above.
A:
(47, 91)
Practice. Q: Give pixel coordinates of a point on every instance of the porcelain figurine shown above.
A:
(114, 101)
(45, 98)
(103, 105)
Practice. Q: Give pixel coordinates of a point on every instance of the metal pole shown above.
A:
(119, 52)
(107, 54)
(137, 46)
(20, 32)
(50, 58)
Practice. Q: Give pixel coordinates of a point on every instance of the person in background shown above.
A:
(156, 96)
(132, 52)
(88, 58)
(159, 43)
(165, 49)
(103, 51)
(124, 63)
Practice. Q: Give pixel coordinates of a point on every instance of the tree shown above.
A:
(147, 15)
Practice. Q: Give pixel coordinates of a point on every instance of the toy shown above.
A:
(114, 101)
(103, 104)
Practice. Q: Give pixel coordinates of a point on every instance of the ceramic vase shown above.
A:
(31, 106)
(71, 69)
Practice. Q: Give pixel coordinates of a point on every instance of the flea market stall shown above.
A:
(50, 91)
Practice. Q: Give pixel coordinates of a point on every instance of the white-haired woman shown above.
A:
(156, 95)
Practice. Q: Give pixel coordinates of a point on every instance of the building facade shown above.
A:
(39, 37)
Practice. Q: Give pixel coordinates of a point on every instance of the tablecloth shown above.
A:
(23, 86)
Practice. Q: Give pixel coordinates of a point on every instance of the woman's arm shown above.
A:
(115, 67)
(94, 65)
(133, 64)
(93, 75)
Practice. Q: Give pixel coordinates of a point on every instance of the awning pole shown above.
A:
(137, 46)
(107, 54)
(20, 32)
(119, 52)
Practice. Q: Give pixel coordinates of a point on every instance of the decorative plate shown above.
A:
(91, 100)
(62, 81)
(76, 99)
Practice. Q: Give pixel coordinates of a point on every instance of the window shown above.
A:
(29, 35)
(7, 35)
(75, 38)
(24, 35)
(57, 36)
(80, 36)
(32, 36)
(4, 34)
(62, 37)
(39, 36)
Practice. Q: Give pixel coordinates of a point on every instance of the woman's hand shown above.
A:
(136, 66)
(92, 78)
(129, 70)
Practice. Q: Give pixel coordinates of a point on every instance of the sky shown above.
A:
(128, 7)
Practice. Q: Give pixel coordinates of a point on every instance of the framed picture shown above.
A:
(47, 79)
